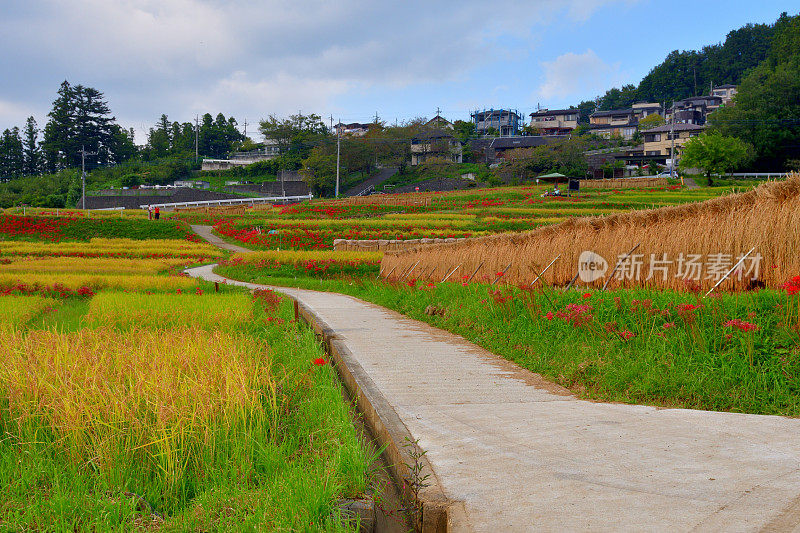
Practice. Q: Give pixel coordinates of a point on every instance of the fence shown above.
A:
(231, 201)
(625, 183)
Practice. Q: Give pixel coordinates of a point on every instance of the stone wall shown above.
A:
(385, 245)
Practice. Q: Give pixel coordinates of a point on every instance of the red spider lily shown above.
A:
(668, 325)
(500, 274)
(627, 335)
(319, 361)
(586, 295)
(576, 314)
(198, 291)
(549, 315)
(741, 325)
(178, 291)
(792, 286)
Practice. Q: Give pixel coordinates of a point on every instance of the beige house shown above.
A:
(555, 122)
(726, 92)
(658, 141)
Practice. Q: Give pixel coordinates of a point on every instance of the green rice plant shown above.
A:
(18, 310)
(226, 311)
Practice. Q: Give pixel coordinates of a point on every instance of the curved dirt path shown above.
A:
(521, 454)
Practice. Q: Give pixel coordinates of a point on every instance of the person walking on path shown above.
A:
(157, 212)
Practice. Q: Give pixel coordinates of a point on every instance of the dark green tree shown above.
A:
(767, 106)
(30, 142)
(715, 154)
(12, 155)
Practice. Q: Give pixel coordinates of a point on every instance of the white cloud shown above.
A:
(244, 57)
(571, 74)
(13, 113)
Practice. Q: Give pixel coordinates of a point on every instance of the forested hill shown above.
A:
(688, 73)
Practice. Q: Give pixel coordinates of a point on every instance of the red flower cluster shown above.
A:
(46, 228)
(576, 314)
(57, 290)
(319, 361)
(741, 325)
(792, 286)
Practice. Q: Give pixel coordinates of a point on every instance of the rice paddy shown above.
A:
(134, 398)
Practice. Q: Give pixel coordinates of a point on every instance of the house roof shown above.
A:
(433, 134)
(547, 112)
(526, 141)
(441, 120)
(628, 111)
(698, 100)
(726, 86)
(678, 127)
(494, 112)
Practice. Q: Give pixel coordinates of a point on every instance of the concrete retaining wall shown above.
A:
(385, 245)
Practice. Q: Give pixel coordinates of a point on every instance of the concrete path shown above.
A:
(690, 183)
(375, 181)
(522, 455)
(205, 232)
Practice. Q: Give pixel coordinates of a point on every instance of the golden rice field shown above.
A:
(170, 412)
(123, 247)
(298, 256)
(766, 219)
(91, 265)
(74, 281)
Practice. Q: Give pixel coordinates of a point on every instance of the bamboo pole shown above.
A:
(497, 278)
(538, 276)
(625, 258)
(476, 271)
(450, 274)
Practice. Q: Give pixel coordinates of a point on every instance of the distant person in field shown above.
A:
(157, 213)
(150, 212)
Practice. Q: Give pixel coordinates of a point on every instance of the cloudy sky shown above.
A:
(346, 58)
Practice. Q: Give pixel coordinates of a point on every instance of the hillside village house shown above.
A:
(658, 141)
(694, 110)
(621, 122)
(505, 121)
(614, 123)
(435, 143)
(555, 122)
(726, 92)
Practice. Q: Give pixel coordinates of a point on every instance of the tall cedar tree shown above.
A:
(33, 153)
(81, 119)
(12, 157)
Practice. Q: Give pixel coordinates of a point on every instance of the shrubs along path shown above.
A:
(519, 452)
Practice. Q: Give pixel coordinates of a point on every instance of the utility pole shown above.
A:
(672, 136)
(437, 115)
(84, 153)
(245, 127)
(196, 137)
(338, 153)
